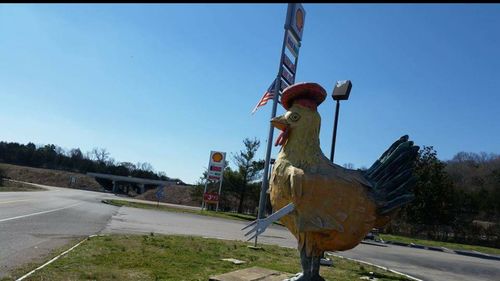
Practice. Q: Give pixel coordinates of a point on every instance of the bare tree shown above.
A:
(110, 162)
(89, 155)
(100, 154)
(131, 167)
(162, 175)
(145, 166)
(348, 166)
(76, 153)
(60, 151)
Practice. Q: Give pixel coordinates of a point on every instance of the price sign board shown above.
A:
(211, 197)
(294, 27)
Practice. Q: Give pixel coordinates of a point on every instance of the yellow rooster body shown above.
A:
(333, 210)
(325, 206)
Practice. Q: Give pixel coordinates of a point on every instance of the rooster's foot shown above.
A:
(317, 278)
(298, 277)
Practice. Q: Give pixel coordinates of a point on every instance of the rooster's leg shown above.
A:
(305, 262)
(315, 269)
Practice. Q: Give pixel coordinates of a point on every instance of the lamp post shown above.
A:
(340, 92)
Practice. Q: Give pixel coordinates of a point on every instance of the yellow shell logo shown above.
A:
(217, 157)
(299, 19)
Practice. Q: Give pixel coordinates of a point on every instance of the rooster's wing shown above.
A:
(330, 202)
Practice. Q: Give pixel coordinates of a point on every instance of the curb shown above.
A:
(477, 255)
(378, 244)
(377, 266)
(446, 250)
(417, 246)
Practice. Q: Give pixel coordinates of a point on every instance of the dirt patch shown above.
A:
(49, 177)
(174, 194)
(10, 185)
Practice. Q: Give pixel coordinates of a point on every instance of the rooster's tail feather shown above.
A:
(392, 175)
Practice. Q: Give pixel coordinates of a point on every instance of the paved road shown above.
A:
(33, 223)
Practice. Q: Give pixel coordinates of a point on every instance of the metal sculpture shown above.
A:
(325, 206)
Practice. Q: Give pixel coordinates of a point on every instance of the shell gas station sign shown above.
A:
(215, 172)
(216, 165)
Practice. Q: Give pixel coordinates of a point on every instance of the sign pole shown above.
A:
(265, 183)
(293, 24)
(203, 195)
(220, 188)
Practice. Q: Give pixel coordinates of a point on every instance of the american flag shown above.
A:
(268, 95)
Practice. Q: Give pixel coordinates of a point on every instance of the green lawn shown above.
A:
(225, 215)
(453, 246)
(178, 258)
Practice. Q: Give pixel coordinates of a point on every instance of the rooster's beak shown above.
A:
(279, 123)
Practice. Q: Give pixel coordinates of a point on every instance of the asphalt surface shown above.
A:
(33, 223)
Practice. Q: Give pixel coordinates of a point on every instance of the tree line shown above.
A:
(456, 200)
(97, 160)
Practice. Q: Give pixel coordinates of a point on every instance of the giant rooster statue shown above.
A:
(325, 206)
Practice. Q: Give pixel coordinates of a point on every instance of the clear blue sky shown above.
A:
(165, 83)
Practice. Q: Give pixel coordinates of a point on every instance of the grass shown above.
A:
(453, 246)
(224, 215)
(7, 185)
(179, 258)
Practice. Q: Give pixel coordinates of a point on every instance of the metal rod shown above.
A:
(334, 138)
(220, 188)
(203, 195)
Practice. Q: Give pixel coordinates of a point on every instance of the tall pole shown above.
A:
(265, 181)
(334, 138)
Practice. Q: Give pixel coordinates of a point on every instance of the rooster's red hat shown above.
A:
(308, 94)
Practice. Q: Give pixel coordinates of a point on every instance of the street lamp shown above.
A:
(340, 92)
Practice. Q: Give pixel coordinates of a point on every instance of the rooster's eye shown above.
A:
(294, 117)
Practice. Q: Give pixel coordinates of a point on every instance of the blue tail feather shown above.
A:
(392, 175)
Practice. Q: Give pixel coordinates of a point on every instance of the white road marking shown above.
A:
(378, 266)
(54, 259)
(5, 202)
(39, 213)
